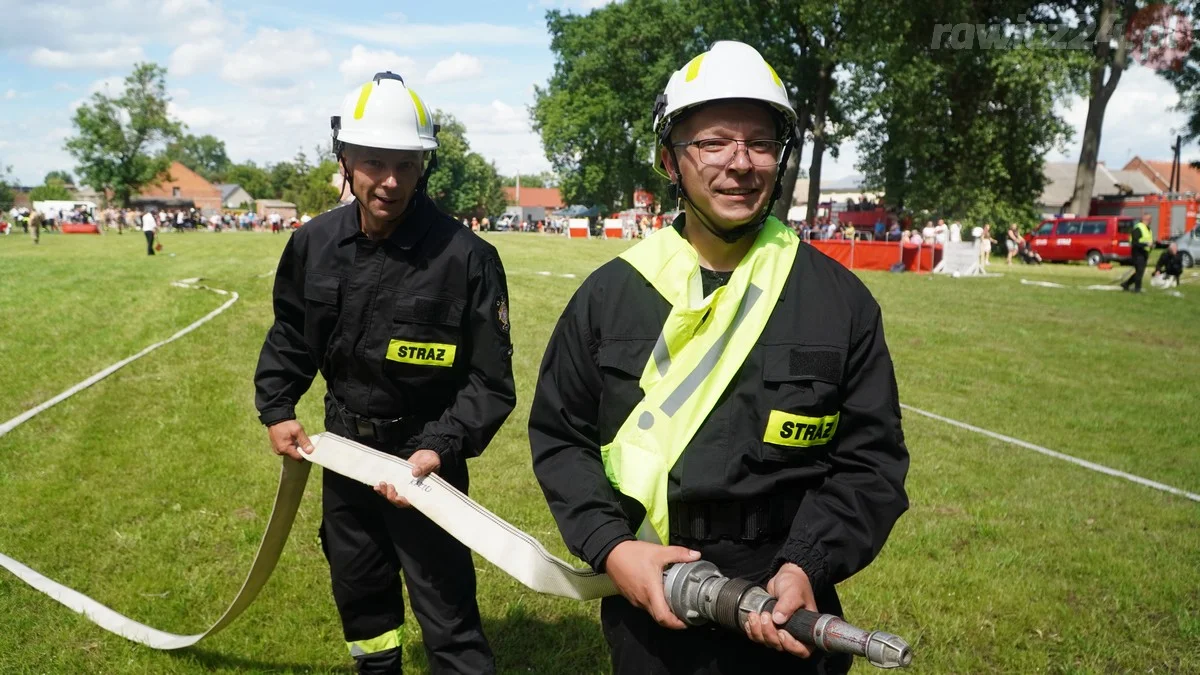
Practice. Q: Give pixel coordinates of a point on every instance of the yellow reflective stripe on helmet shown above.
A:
(362, 100)
(774, 75)
(389, 640)
(800, 431)
(693, 68)
(420, 107)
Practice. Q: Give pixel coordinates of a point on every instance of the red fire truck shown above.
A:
(1166, 215)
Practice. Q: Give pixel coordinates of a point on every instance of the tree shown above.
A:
(120, 140)
(1110, 53)
(53, 189)
(253, 179)
(464, 183)
(952, 127)
(7, 196)
(1181, 70)
(203, 154)
(594, 114)
(62, 176)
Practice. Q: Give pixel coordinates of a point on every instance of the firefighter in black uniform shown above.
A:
(794, 474)
(405, 314)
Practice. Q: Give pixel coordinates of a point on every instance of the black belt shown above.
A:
(746, 520)
(383, 430)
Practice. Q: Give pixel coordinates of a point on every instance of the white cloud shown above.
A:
(78, 25)
(502, 134)
(496, 118)
(198, 118)
(364, 63)
(418, 36)
(457, 67)
(195, 57)
(10, 94)
(107, 58)
(575, 5)
(275, 58)
(109, 86)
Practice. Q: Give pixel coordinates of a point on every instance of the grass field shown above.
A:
(149, 491)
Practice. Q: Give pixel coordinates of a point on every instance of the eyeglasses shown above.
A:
(721, 151)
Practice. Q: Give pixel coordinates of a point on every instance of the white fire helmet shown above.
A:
(384, 113)
(729, 70)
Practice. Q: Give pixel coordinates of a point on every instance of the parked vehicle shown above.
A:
(1093, 239)
(1189, 247)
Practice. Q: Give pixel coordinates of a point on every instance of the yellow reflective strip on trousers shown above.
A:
(708, 340)
(421, 353)
(800, 431)
(389, 640)
(363, 95)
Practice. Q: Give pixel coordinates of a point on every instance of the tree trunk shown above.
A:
(824, 85)
(1105, 57)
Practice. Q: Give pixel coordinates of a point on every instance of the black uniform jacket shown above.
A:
(414, 326)
(1171, 264)
(822, 352)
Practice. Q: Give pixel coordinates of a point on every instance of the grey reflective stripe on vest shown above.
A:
(662, 355)
(693, 380)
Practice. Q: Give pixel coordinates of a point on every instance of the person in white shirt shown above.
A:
(149, 228)
(927, 232)
(941, 233)
(955, 231)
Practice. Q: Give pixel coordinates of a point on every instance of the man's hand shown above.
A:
(424, 463)
(792, 591)
(288, 439)
(636, 569)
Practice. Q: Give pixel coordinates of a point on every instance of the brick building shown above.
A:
(1159, 172)
(178, 186)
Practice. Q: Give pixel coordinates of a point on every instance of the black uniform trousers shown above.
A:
(1140, 256)
(639, 646)
(149, 242)
(368, 541)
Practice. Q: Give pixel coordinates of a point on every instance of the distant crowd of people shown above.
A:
(176, 220)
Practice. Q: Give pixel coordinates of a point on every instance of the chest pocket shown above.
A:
(802, 385)
(425, 338)
(621, 364)
(322, 295)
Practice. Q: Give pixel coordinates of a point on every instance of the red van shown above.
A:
(1094, 239)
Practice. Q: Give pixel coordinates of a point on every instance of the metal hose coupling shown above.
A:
(698, 593)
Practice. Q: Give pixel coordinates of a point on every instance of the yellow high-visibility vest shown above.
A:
(703, 343)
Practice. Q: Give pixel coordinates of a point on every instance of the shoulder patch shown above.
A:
(502, 314)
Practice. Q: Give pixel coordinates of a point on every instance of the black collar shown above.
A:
(406, 236)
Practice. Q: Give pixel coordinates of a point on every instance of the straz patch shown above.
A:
(421, 353)
(799, 431)
(502, 313)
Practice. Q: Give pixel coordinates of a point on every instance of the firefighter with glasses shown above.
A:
(722, 391)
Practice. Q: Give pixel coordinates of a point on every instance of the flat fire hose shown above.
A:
(508, 548)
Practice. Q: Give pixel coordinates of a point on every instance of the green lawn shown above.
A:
(149, 491)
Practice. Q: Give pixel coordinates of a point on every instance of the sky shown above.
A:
(264, 78)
